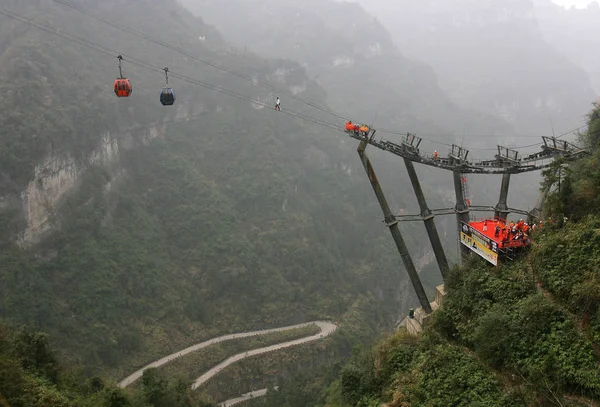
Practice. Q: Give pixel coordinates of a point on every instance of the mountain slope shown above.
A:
(353, 57)
(142, 229)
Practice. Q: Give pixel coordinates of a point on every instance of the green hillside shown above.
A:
(129, 230)
(30, 376)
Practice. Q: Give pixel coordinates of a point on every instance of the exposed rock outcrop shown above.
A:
(56, 176)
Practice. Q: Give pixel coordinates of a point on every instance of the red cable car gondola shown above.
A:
(122, 85)
(167, 96)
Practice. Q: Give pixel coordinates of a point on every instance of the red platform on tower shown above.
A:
(505, 238)
(488, 238)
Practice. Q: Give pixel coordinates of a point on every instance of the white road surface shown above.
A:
(244, 397)
(327, 328)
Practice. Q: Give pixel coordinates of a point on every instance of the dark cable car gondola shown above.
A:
(122, 85)
(167, 96)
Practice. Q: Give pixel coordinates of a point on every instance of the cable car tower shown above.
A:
(475, 236)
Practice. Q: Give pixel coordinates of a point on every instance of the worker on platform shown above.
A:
(485, 225)
(364, 130)
(349, 126)
(435, 155)
(497, 231)
(505, 236)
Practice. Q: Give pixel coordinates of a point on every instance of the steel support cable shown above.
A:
(197, 58)
(109, 52)
(138, 62)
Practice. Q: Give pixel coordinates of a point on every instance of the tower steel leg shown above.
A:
(536, 212)
(392, 224)
(462, 209)
(428, 219)
(501, 211)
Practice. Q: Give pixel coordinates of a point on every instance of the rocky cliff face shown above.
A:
(56, 176)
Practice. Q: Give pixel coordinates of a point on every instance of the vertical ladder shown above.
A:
(466, 195)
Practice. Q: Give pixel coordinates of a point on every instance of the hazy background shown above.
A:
(573, 3)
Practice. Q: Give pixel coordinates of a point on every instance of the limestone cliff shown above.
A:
(56, 176)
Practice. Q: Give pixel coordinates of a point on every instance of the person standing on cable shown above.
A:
(278, 104)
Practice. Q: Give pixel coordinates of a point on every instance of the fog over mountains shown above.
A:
(575, 33)
(573, 3)
(514, 59)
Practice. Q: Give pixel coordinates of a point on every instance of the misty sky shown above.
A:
(576, 3)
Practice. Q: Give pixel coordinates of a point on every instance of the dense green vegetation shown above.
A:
(231, 218)
(498, 341)
(30, 376)
(269, 370)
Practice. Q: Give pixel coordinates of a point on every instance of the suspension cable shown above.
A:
(153, 67)
(138, 62)
(197, 58)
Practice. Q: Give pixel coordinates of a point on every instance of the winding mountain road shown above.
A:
(244, 397)
(327, 328)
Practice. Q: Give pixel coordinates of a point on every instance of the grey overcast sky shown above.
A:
(576, 3)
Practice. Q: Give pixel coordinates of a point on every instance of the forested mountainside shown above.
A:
(525, 333)
(574, 32)
(129, 230)
(31, 376)
(491, 55)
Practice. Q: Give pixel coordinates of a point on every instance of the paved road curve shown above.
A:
(327, 328)
(244, 397)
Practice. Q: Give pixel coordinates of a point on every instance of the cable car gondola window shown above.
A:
(167, 95)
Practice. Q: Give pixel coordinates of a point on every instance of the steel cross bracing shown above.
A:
(507, 161)
(452, 211)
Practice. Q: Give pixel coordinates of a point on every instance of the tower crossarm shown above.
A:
(452, 211)
(507, 161)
